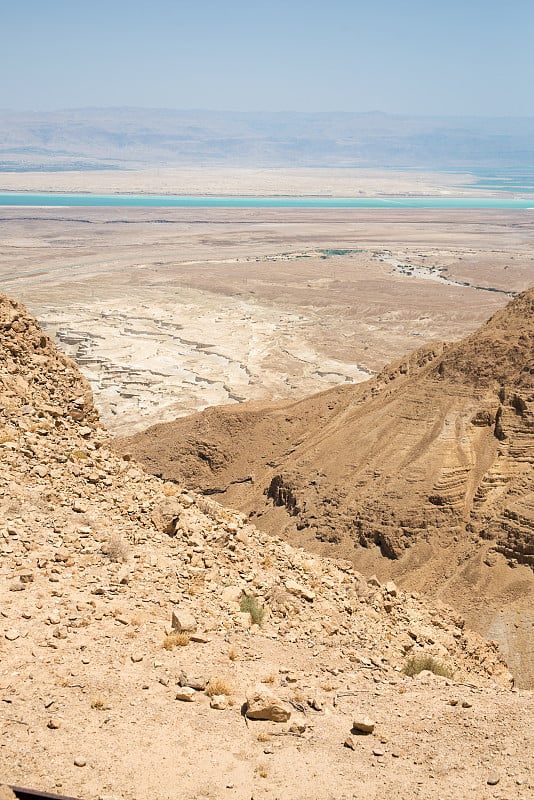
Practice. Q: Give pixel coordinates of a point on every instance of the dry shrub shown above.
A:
(263, 736)
(220, 684)
(250, 603)
(116, 549)
(176, 639)
(271, 678)
(417, 664)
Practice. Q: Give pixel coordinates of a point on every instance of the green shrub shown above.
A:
(417, 664)
(250, 603)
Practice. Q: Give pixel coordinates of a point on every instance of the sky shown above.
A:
(439, 57)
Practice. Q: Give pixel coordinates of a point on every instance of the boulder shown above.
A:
(262, 704)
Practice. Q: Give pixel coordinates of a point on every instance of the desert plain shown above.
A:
(170, 310)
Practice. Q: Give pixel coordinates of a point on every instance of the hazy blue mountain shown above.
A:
(125, 137)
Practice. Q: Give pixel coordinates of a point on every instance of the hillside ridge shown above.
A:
(122, 592)
(434, 455)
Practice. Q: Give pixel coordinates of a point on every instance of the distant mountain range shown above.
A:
(100, 138)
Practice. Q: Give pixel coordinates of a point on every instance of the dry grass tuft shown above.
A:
(220, 684)
(417, 664)
(176, 639)
(233, 654)
(263, 736)
(99, 703)
(271, 678)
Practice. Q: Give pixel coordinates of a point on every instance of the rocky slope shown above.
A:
(123, 597)
(429, 464)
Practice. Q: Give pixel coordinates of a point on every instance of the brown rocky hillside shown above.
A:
(144, 629)
(424, 473)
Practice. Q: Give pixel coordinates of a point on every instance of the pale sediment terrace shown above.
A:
(150, 363)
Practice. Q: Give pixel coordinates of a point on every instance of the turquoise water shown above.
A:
(195, 201)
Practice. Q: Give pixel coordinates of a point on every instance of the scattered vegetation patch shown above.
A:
(337, 252)
(250, 603)
(417, 664)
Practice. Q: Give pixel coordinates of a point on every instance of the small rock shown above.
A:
(268, 750)
(53, 723)
(200, 638)
(298, 590)
(297, 727)
(219, 701)
(79, 761)
(262, 704)
(244, 619)
(198, 683)
(493, 780)
(183, 621)
(136, 657)
(231, 594)
(363, 725)
(186, 694)
(11, 634)
(316, 704)
(391, 588)
(377, 751)
(349, 742)
(467, 704)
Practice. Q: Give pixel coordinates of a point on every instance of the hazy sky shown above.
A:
(399, 56)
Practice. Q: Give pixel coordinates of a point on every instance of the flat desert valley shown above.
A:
(170, 310)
